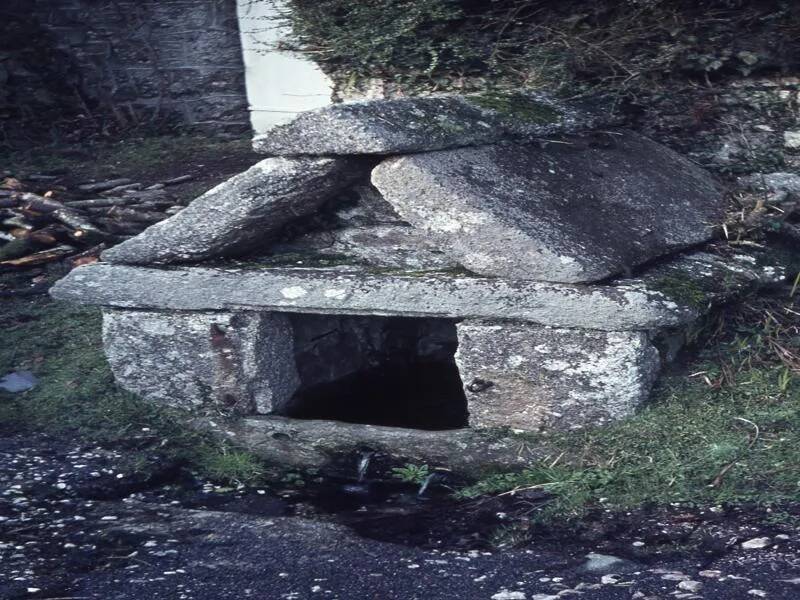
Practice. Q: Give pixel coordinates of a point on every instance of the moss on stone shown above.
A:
(294, 259)
(517, 106)
(451, 272)
(682, 289)
(448, 126)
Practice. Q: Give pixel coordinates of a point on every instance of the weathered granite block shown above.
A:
(419, 124)
(242, 212)
(579, 210)
(360, 227)
(530, 377)
(240, 363)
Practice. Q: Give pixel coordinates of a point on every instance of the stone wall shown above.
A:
(146, 62)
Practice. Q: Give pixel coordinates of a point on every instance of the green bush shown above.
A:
(567, 44)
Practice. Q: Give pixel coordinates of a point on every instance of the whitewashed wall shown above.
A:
(279, 84)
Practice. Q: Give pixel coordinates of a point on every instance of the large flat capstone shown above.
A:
(242, 212)
(670, 294)
(419, 124)
(360, 292)
(579, 209)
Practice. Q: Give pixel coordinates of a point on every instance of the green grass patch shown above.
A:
(231, 465)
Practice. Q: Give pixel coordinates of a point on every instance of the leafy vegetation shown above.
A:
(516, 106)
(411, 473)
(570, 45)
(727, 433)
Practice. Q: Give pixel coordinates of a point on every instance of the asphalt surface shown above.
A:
(75, 522)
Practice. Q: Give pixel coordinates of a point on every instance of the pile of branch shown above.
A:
(74, 225)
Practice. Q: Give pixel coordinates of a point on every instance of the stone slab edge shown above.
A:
(332, 291)
(314, 444)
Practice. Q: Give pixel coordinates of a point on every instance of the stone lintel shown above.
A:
(360, 292)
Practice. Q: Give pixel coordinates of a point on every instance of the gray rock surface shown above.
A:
(360, 229)
(399, 125)
(237, 363)
(704, 279)
(315, 444)
(529, 377)
(773, 182)
(578, 210)
(18, 381)
(361, 292)
(241, 213)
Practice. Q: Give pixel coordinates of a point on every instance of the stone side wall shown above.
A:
(150, 62)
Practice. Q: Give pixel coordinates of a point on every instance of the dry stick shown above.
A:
(99, 202)
(178, 180)
(717, 481)
(39, 203)
(795, 285)
(39, 258)
(18, 221)
(47, 236)
(17, 248)
(83, 228)
(88, 256)
(137, 216)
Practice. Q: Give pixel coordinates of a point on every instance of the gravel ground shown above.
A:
(81, 521)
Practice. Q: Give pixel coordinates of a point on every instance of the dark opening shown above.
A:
(378, 370)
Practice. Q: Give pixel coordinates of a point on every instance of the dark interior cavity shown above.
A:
(389, 371)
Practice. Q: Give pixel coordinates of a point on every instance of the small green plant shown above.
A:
(785, 378)
(231, 466)
(411, 473)
(293, 479)
(682, 289)
(510, 536)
